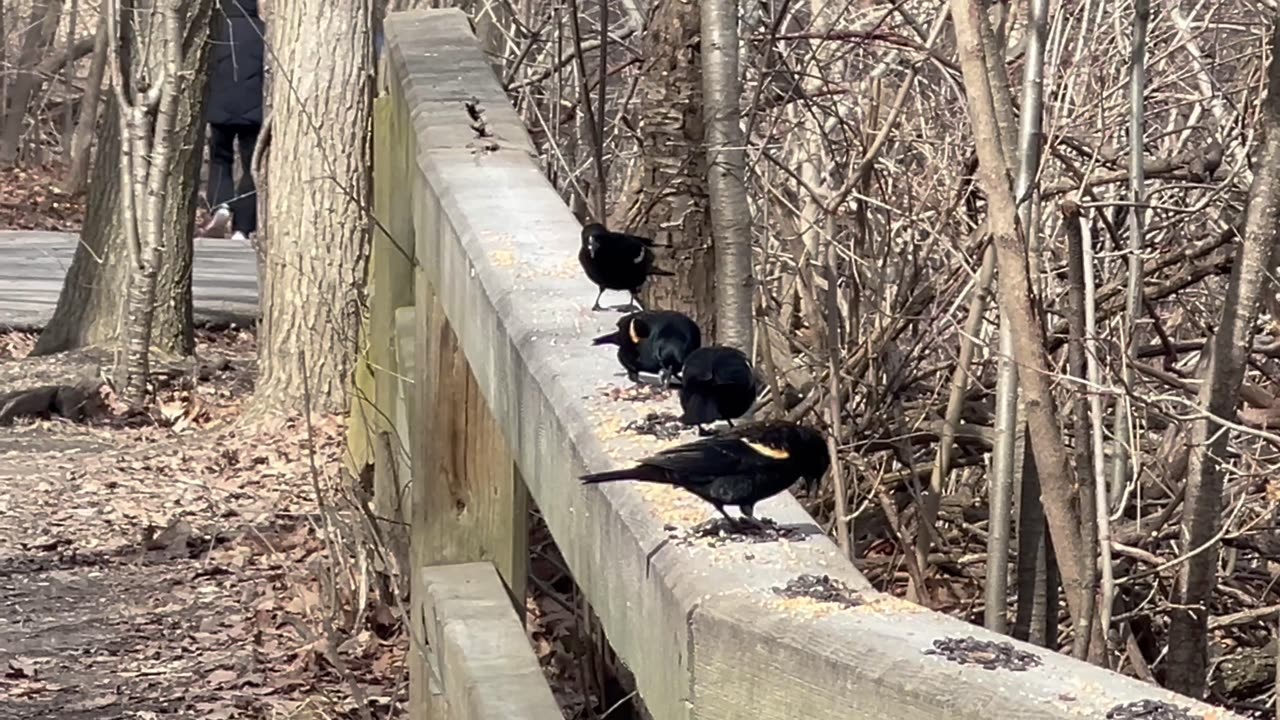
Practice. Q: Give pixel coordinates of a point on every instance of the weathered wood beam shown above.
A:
(480, 655)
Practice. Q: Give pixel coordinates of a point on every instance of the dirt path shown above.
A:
(151, 571)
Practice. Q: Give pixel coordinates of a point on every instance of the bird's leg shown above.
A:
(633, 376)
(733, 524)
(703, 432)
(597, 305)
(635, 302)
(664, 376)
(749, 517)
(729, 422)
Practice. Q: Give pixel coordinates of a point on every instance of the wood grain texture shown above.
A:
(473, 505)
(486, 668)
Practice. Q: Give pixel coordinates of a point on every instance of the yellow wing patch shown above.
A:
(765, 450)
(631, 330)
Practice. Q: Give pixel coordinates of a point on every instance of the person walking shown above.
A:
(234, 114)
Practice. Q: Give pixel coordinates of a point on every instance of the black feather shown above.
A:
(740, 467)
(717, 383)
(653, 341)
(616, 261)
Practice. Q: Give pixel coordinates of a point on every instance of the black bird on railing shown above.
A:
(654, 341)
(617, 261)
(739, 467)
(716, 383)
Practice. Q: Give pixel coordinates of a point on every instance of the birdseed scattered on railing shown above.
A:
(1149, 710)
(661, 425)
(987, 654)
(638, 392)
(821, 588)
(719, 532)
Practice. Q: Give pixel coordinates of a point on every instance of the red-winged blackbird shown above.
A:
(617, 261)
(654, 341)
(739, 467)
(716, 383)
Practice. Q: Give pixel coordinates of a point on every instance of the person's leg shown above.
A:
(221, 174)
(245, 208)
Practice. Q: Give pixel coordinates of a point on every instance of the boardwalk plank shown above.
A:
(33, 265)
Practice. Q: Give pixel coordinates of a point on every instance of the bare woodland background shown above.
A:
(861, 184)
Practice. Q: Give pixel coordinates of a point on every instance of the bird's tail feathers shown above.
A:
(640, 472)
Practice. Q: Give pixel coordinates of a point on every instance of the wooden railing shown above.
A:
(479, 354)
(478, 658)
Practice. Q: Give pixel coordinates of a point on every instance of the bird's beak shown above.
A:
(610, 339)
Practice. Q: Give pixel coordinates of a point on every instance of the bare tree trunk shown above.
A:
(1006, 460)
(1133, 293)
(1037, 608)
(1097, 423)
(40, 35)
(1076, 367)
(4, 55)
(996, 595)
(1016, 297)
(80, 151)
(1219, 395)
(91, 307)
(1038, 574)
(68, 118)
(147, 75)
(591, 121)
(318, 244)
(726, 168)
(665, 196)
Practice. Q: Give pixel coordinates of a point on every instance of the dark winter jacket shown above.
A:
(235, 64)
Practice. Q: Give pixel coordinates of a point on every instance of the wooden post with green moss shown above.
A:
(380, 423)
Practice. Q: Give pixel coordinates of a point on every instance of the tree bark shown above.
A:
(4, 56)
(68, 117)
(1082, 633)
(1186, 667)
(39, 35)
(726, 168)
(147, 75)
(81, 150)
(91, 306)
(1016, 294)
(321, 101)
(665, 196)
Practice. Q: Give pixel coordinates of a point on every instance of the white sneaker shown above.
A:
(219, 221)
(237, 235)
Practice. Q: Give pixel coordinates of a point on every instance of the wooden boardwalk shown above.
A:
(33, 265)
